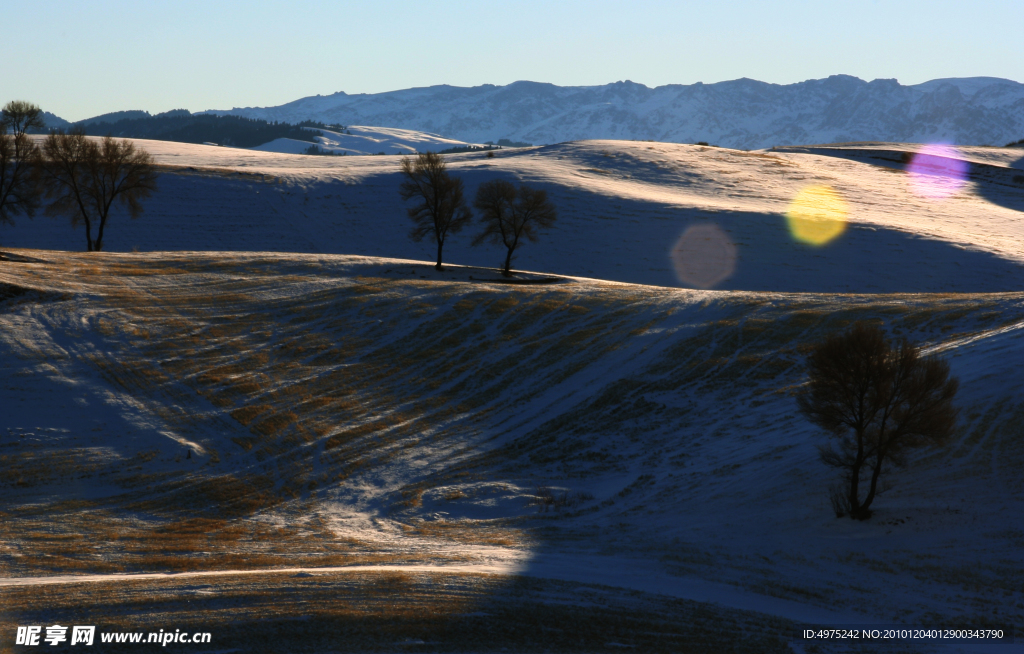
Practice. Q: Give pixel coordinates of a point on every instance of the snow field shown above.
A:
(195, 411)
(622, 209)
(361, 411)
(362, 140)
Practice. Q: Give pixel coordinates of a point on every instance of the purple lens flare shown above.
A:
(937, 172)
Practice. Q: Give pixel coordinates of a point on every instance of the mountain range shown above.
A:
(741, 113)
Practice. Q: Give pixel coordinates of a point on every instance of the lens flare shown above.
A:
(937, 172)
(704, 256)
(817, 215)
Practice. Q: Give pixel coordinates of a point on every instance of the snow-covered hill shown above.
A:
(331, 448)
(623, 210)
(210, 413)
(740, 113)
(362, 140)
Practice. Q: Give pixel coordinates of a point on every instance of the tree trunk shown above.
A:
(439, 246)
(508, 264)
(855, 491)
(88, 236)
(97, 246)
(856, 509)
(875, 472)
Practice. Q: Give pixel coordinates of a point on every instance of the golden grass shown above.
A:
(387, 611)
(275, 424)
(473, 533)
(284, 374)
(245, 415)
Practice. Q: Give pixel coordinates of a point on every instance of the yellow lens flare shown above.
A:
(817, 215)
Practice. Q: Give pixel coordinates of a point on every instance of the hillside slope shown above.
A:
(623, 207)
(362, 140)
(190, 412)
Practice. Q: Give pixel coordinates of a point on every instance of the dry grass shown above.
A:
(304, 400)
(119, 544)
(383, 611)
(469, 532)
(245, 415)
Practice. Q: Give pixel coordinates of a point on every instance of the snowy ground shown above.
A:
(362, 140)
(581, 465)
(623, 206)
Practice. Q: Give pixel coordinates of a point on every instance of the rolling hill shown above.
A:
(623, 208)
(285, 426)
(362, 140)
(237, 414)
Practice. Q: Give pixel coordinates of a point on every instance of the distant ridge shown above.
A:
(181, 126)
(741, 113)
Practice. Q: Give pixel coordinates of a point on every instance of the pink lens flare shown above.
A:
(937, 172)
(704, 256)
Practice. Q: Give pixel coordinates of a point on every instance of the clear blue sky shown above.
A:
(81, 59)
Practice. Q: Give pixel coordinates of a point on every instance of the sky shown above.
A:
(79, 60)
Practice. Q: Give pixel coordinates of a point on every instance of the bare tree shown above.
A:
(879, 400)
(442, 208)
(511, 215)
(20, 192)
(19, 117)
(85, 179)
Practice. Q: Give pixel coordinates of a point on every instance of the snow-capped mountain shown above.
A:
(742, 113)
